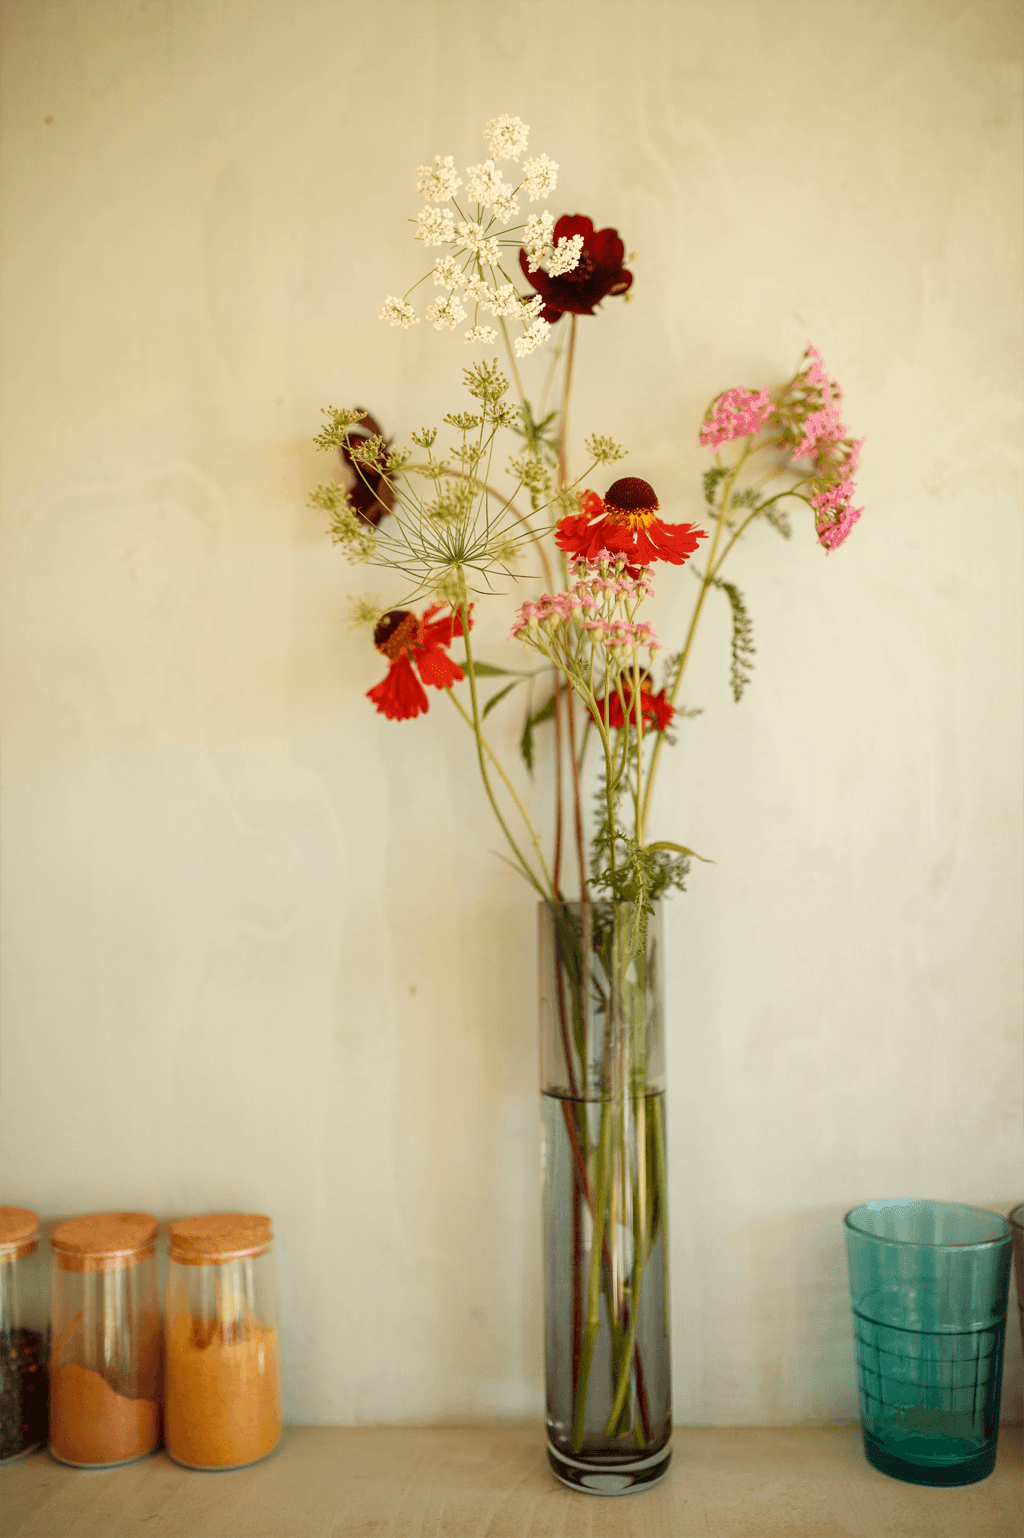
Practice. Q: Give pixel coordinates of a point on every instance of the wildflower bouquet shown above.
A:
(459, 519)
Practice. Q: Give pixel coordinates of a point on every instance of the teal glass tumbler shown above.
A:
(929, 1283)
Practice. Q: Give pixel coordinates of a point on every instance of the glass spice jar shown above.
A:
(23, 1334)
(105, 1340)
(223, 1394)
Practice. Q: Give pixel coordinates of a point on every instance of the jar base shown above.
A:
(223, 1468)
(24, 1452)
(960, 1471)
(101, 1468)
(610, 1478)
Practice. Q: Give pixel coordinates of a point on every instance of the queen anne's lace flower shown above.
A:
(448, 273)
(505, 300)
(398, 312)
(485, 184)
(438, 182)
(483, 334)
(506, 204)
(537, 238)
(506, 137)
(435, 226)
(446, 313)
(539, 177)
(566, 256)
(534, 338)
(478, 292)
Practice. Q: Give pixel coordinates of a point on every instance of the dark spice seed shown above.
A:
(23, 1391)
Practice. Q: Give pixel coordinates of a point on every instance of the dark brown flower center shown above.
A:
(393, 631)
(631, 495)
(584, 269)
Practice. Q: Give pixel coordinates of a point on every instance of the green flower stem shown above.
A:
(662, 1187)
(483, 746)
(642, 1245)
(594, 1280)
(790, 491)
(730, 481)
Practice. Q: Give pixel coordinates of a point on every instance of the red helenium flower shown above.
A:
(626, 522)
(600, 271)
(655, 710)
(404, 639)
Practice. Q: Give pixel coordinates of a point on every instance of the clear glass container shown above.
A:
(605, 1203)
(105, 1340)
(24, 1328)
(223, 1392)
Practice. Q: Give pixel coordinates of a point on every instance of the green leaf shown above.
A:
(484, 669)
(545, 713)
(499, 696)
(664, 843)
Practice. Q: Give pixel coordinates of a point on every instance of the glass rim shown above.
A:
(1015, 1216)
(928, 1244)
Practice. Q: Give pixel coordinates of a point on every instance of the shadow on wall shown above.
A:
(799, 1329)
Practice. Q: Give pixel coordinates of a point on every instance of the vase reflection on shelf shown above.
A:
(606, 1295)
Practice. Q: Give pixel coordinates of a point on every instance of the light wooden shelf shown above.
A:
(493, 1482)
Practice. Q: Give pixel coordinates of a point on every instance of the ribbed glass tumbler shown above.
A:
(929, 1283)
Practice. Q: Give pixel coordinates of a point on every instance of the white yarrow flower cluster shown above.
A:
(470, 272)
(487, 186)
(539, 178)
(565, 257)
(534, 338)
(439, 182)
(537, 239)
(448, 273)
(435, 226)
(446, 313)
(397, 312)
(506, 137)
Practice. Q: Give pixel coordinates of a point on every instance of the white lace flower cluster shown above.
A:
(472, 272)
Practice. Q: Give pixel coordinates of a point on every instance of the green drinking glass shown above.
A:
(929, 1283)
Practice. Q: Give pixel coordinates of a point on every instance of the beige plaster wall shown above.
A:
(258, 953)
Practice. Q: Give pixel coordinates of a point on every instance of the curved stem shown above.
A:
(723, 510)
(483, 746)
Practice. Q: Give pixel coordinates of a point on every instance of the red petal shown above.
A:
(573, 224)
(399, 695)
(437, 668)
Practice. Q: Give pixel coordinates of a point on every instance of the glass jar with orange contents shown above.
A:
(105, 1340)
(223, 1394)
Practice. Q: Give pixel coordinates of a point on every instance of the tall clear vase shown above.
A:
(606, 1292)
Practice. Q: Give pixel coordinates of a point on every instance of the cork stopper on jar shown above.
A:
(104, 1241)
(219, 1236)
(19, 1232)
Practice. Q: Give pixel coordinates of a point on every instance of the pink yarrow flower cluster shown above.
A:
(735, 414)
(825, 441)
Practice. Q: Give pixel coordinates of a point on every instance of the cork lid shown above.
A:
(219, 1236)
(103, 1241)
(19, 1232)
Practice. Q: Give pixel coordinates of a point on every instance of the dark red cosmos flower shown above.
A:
(600, 271)
(655, 710)
(626, 522)
(404, 639)
(370, 495)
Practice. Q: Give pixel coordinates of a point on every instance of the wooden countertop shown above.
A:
(494, 1482)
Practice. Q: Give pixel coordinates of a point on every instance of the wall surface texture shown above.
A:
(258, 950)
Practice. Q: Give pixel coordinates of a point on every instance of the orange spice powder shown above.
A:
(90, 1423)
(222, 1395)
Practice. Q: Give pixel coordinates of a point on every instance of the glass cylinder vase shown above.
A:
(606, 1292)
